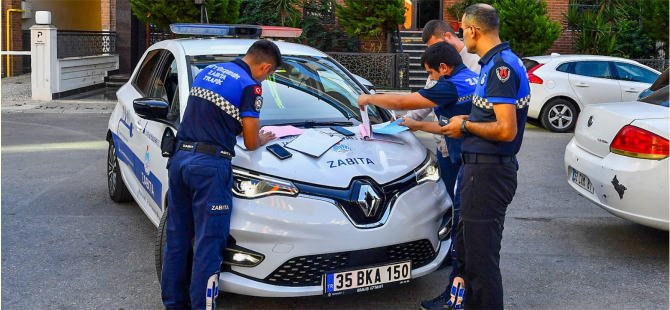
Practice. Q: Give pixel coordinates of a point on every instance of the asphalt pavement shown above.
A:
(66, 245)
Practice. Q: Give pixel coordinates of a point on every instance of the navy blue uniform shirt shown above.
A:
(220, 96)
(453, 96)
(503, 80)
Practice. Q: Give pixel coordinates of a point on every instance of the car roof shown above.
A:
(213, 46)
(547, 58)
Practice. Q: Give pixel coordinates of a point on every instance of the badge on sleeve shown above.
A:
(258, 103)
(258, 90)
(503, 73)
(430, 84)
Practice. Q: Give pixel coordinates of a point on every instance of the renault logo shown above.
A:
(590, 121)
(368, 200)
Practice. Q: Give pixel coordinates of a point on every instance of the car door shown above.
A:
(593, 82)
(128, 142)
(154, 175)
(633, 79)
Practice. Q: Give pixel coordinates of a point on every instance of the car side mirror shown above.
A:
(153, 109)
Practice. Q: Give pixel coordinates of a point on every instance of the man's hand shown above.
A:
(412, 124)
(453, 129)
(362, 101)
(266, 137)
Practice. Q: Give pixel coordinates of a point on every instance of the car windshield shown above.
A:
(304, 88)
(659, 97)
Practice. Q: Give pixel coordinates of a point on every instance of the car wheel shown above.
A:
(160, 244)
(117, 189)
(559, 115)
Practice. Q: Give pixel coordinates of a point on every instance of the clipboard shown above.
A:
(314, 143)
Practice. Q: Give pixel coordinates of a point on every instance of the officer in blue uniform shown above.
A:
(224, 102)
(493, 133)
(449, 94)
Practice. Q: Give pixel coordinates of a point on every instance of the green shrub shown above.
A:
(527, 27)
(371, 18)
(632, 40)
(323, 37)
(252, 12)
(162, 13)
(655, 19)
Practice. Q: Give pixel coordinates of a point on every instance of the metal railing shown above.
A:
(658, 64)
(85, 43)
(388, 70)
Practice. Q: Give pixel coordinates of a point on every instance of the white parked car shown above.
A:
(561, 86)
(618, 158)
(300, 226)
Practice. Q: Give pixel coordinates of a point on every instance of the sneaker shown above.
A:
(438, 303)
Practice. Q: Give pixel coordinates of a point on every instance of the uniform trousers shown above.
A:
(198, 222)
(486, 190)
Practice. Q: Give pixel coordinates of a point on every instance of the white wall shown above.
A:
(77, 72)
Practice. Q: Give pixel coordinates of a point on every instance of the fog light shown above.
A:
(238, 256)
(444, 232)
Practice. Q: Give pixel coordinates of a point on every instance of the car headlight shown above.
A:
(429, 171)
(248, 185)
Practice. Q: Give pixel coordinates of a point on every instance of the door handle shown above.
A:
(582, 85)
(631, 90)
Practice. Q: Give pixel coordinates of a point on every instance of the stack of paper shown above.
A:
(314, 143)
(381, 132)
(283, 131)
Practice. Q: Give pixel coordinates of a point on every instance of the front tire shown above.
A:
(160, 245)
(117, 189)
(559, 115)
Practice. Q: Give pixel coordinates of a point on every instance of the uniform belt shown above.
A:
(486, 159)
(205, 148)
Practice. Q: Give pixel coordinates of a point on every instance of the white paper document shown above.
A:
(314, 143)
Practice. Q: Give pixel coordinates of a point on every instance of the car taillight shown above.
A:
(636, 142)
(534, 78)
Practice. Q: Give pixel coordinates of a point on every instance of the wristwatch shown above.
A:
(463, 130)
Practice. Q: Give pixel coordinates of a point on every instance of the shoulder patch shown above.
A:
(503, 73)
(258, 103)
(258, 90)
(483, 80)
(430, 84)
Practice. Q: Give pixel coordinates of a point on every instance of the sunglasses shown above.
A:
(460, 30)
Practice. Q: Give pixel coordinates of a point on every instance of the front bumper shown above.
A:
(645, 198)
(289, 228)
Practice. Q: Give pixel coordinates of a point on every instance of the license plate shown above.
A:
(366, 279)
(582, 180)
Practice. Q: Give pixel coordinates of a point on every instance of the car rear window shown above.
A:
(659, 97)
(529, 63)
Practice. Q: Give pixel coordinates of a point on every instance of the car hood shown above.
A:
(351, 157)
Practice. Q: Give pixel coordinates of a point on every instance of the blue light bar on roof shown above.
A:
(216, 30)
(235, 30)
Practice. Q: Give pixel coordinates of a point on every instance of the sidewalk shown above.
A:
(16, 98)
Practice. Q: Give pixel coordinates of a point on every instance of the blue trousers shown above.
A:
(198, 222)
(451, 173)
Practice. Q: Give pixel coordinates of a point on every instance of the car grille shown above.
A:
(308, 270)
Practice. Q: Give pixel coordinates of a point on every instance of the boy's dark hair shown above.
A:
(435, 28)
(441, 53)
(483, 16)
(265, 51)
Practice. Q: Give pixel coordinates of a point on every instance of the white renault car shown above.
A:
(365, 215)
(561, 86)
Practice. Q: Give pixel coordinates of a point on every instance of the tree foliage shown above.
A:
(253, 12)
(371, 18)
(286, 8)
(655, 20)
(162, 13)
(527, 27)
(327, 38)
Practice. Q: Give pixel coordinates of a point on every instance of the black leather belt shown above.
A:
(486, 159)
(205, 148)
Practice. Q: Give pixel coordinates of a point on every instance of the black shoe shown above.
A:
(438, 303)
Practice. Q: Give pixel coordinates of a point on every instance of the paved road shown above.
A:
(66, 245)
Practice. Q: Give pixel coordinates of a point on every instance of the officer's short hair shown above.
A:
(483, 16)
(441, 52)
(265, 51)
(435, 28)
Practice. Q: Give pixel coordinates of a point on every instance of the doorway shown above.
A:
(420, 12)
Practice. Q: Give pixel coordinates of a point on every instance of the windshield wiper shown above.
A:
(312, 124)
